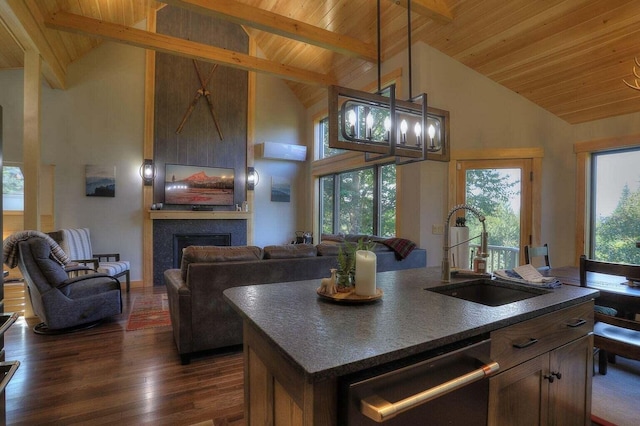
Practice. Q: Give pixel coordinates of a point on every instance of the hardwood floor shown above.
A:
(107, 375)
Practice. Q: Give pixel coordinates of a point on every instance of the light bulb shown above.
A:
(432, 131)
(387, 128)
(418, 130)
(403, 131)
(351, 117)
(369, 121)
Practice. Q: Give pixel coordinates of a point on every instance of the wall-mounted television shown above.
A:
(198, 185)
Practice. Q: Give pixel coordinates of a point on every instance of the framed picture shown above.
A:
(100, 181)
(280, 190)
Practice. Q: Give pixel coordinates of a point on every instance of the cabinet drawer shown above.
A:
(520, 342)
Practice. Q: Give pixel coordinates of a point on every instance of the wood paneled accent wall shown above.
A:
(176, 85)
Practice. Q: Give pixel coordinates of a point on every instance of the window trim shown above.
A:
(583, 151)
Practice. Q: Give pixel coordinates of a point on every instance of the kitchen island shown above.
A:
(298, 346)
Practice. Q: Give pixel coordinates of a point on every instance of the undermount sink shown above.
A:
(489, 292)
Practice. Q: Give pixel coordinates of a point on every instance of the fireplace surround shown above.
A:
(234, 232)
(181, 241)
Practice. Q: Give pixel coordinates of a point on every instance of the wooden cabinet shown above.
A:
(547, 386)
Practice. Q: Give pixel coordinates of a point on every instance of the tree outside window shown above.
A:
(12, 188)
(615, 207)
(366, 204)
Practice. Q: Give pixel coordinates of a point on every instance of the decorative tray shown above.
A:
(351, 297)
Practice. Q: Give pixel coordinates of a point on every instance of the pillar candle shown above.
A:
(365, 273)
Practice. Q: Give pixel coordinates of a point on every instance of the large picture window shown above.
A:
(359, 201)
(615, 206)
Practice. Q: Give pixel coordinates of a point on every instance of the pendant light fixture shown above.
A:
(382, 126)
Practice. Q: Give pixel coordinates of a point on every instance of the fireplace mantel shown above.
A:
(191, 215)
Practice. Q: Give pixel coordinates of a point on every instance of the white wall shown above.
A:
(280, 117)
(97, 120)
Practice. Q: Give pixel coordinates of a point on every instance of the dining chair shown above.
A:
(613, 335)
(537, 252)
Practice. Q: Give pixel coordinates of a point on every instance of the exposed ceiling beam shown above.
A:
(180, 47)
(434, 9)
(264, 20)
(23, 26)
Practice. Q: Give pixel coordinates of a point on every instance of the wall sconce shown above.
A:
(147, 172)
(252, 178)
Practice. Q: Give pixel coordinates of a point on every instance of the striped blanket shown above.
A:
(10, 248)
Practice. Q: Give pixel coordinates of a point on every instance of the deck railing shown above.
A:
(500, 257)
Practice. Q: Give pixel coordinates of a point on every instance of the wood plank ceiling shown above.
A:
(568, 56)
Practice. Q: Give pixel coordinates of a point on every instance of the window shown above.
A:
(495, 188)
(615, 206)
(323, 137)
(12, 188)
(359, 201)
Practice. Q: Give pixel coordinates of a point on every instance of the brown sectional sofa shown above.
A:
(201, 318)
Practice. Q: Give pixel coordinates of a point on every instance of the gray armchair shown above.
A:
(62, 303)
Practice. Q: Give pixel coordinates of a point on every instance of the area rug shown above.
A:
(149, 311)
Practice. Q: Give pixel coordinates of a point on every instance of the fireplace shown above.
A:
(202, 232)
(180, 241)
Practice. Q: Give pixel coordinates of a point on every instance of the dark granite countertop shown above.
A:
(325, 339)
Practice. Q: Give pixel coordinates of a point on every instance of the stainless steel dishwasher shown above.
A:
(450, 388)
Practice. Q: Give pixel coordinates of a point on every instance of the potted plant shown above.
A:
(347, 263)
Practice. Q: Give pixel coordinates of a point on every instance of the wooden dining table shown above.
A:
(615, 290)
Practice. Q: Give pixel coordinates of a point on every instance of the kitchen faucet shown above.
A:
(446, 268)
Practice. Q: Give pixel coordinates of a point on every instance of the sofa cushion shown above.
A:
(335, 238)
(328, 249)
(289, 251)
(355, 238)
(209, 254)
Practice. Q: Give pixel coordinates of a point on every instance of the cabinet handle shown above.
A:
(578, 322)
(379, 409)
(550, 376)
(526, 344)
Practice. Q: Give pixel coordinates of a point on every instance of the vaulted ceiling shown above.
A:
(570, 57)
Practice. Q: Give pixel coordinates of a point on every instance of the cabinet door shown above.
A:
(570, 395)
(519, 396)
